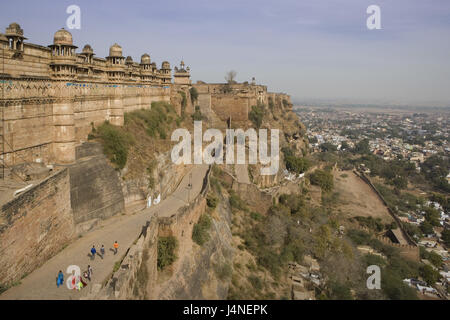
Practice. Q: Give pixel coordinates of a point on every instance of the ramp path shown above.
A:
(41, 283)
(241, 171)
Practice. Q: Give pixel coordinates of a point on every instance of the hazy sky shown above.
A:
(311, 49)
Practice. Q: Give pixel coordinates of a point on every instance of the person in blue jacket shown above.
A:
(93, 251)
(60, 279)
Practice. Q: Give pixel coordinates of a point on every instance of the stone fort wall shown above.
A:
(230, 100)
(45, 119)
(35, 226)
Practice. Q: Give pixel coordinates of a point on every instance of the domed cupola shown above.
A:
(14, 35)
(115, 55)
(63, 55)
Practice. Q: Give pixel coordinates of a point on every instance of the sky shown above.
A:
(310, 49)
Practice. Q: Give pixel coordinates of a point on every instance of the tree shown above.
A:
(194, 94)
(327, 146)
(429, 275)
(256, 115)
(400, 182)
(432, 216)
(230, 76)
(446, 237)
(323, 179)
(296, 164)
(426, 227)
(362, 147)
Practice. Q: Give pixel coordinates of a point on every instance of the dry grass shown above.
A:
(358, 199)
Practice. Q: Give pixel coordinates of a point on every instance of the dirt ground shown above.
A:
(357, 198)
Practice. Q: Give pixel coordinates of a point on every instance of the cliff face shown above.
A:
(95, 190)
(204, 272)
(197, 273)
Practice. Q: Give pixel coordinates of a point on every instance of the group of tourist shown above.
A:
(77, 282)
(102, 250)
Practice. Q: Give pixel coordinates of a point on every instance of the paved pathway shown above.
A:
(41, 283)
(241, 171)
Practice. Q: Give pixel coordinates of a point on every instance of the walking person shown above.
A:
(89, 272)
(60, 279)
(116, 247)
(93, 252)
(102, 251)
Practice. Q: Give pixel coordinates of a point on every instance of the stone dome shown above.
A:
(115, 50)
(14, 29)
(88, 49)
(145, 59)
(165, 65)
(129, 59)
(63, 37)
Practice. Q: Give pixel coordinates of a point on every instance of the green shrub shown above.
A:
(323, 179)
(116, 143)
(256, 115)
(197, 115)
(155, 120)
(194, 94)
(255, 216)
(359, 237)
(446, 237)
(256, 282)
(374, 224)
(200, 231)
(431, 256)
(394, 287)
(183, 102)
(211, 201)
(150, 169)
(429, 275)
(223, 271)
(296, 164)
(166, 251)
(236, 202)
(340, 291)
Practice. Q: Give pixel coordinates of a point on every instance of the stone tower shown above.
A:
(63, 63)
(182, 75)
(63, 66)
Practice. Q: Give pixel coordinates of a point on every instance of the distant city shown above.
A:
(392, 133)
